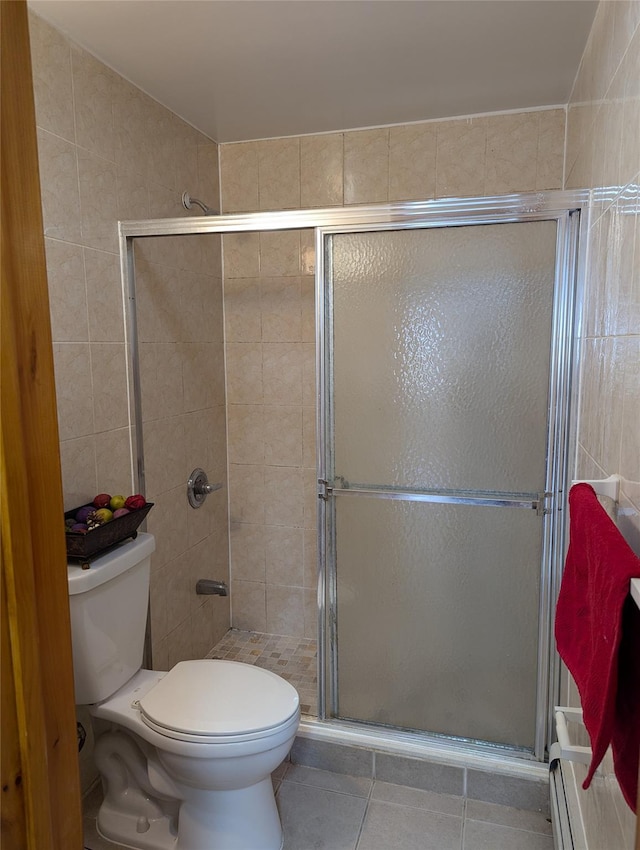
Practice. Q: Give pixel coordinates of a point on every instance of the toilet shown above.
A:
(186, 756)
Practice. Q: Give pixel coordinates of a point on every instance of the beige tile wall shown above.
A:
(179, 299)
(270, 346)
(109, 152)
(603, 153)
(485, 155)
(270, 318)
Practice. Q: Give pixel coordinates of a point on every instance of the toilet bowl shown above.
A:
(186, 756)
(213, 756)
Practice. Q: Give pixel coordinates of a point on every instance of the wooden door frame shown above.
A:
(41, 808)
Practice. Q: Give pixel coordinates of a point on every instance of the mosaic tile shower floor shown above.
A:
(292, 658)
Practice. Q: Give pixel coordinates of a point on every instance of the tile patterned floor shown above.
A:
(330, 811)
(292, 658)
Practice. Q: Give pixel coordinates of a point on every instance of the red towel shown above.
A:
(598, 635)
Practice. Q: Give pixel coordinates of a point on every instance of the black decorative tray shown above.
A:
(85, 546)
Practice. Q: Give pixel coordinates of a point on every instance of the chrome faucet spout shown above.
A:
(209, 587)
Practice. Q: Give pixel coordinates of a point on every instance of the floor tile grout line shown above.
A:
(368, 801)
(322, 788)
(364, 815)
(397, 805)
(464, 820)
(508, 826)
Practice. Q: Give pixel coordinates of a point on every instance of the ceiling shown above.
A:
(249, 69)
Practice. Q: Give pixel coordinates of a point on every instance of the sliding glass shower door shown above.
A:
(438, 351)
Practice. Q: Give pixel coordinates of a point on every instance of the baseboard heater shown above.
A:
(566, 813)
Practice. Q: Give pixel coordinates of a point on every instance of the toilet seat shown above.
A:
(211, 701)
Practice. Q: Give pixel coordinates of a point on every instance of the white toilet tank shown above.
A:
(108, 604)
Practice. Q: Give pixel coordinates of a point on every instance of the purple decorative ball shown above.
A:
(79, 526)
(83, 513)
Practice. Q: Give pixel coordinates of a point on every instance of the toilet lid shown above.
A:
(211, 697)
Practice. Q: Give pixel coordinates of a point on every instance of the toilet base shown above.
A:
(244, 819)
(134, 831)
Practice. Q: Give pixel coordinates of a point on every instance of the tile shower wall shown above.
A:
(179, 302)
(270, 347)
(107, 152)
(270, 320)
(603, 153)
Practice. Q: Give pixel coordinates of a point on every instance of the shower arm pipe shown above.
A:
(188, 202)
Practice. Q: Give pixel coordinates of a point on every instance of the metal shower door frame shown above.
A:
(565, 210)
(431, 213)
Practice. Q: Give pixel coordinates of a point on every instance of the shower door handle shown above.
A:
(531, 501)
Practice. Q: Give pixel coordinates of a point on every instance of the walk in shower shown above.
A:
(444, 358)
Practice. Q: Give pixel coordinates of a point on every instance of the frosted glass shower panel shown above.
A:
(438, 617)
(441, 341)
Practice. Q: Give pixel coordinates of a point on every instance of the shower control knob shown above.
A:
(198, 488)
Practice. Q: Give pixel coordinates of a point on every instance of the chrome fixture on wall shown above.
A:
(198, 488)
(188, 202)
(209, 587)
